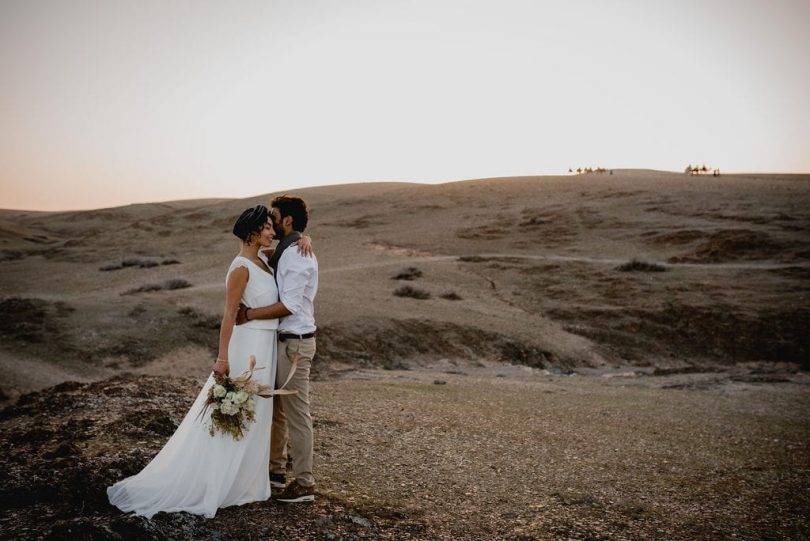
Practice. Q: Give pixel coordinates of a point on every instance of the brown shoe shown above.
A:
(295, 493)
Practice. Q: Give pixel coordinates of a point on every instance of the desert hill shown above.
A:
(583, 357)
(522, 270)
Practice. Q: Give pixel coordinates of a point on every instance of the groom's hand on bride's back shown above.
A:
(241, 314)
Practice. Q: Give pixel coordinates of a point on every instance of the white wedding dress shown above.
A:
(198, 473)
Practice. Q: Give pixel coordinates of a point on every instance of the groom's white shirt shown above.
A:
(297, 280)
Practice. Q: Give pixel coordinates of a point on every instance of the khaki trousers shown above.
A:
(292, 422)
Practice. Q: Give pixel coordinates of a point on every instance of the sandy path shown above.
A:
(756, 266)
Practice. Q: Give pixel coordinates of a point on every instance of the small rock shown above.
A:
(360, 521)
(439, 382)
(324, 522)
(629, 374)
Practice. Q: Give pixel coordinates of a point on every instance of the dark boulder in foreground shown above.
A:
(65, 445)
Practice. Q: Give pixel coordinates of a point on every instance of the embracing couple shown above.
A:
(268, 315)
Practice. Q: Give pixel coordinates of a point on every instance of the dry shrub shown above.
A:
(635, 265)
(11, 255)
(412, 292)
(408, 273)
(199, 319)
(139, 263)
(166, 285)
(451, 296)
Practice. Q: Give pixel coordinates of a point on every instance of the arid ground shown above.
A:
(592, 356)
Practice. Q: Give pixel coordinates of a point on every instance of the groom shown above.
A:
(297, 279)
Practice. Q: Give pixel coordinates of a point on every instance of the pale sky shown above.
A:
(107, 102)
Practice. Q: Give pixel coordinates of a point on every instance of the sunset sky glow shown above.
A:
(105, 102)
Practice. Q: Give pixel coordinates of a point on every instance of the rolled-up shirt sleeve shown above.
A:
(295, 276)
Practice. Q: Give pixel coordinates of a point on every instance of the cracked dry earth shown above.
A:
(505, 453)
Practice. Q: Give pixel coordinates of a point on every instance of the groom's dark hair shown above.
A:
(295, 207)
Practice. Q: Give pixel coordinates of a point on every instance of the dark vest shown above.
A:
(283, 245)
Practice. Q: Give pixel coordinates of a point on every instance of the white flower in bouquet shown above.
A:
(233, 401)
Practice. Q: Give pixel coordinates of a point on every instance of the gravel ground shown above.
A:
(492, 452)
(536, 456)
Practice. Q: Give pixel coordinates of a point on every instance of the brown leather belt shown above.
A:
(287, 336)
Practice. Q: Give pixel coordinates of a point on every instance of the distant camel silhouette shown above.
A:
(699, 170)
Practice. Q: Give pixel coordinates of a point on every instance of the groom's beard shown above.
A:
(278, 231)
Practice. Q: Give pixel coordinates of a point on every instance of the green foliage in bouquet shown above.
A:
(233, 400)
(233, 408)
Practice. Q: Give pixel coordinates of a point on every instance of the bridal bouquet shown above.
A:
(233, 401)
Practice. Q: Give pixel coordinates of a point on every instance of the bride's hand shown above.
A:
(221, 366)
(305, 246)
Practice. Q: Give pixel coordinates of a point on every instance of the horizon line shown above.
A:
(426, 183)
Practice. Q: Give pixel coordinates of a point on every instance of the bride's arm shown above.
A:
(304, 245)
(237, 281)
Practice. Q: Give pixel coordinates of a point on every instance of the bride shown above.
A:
(198, 473)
